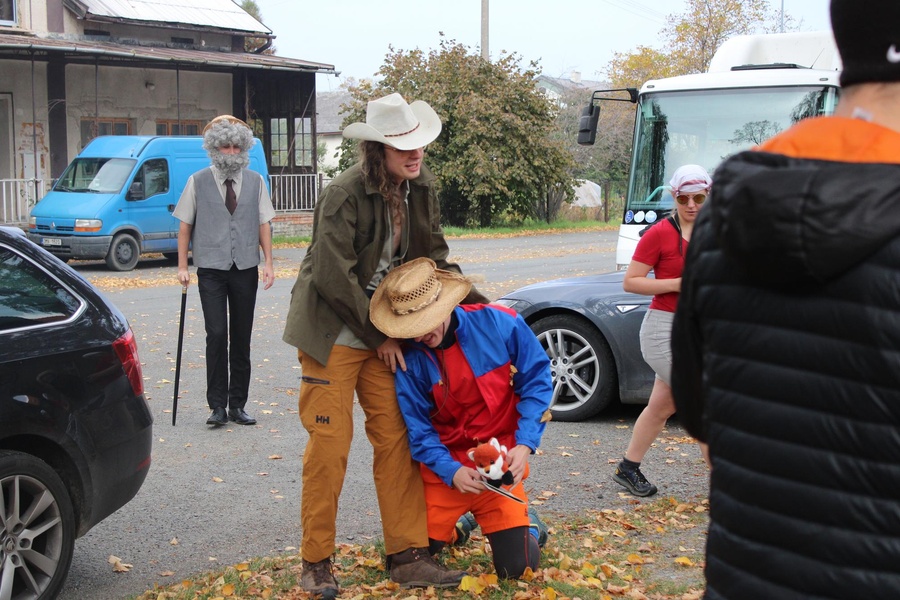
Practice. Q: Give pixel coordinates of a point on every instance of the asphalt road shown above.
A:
(216, 497)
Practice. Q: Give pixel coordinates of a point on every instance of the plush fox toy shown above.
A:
(490, 461)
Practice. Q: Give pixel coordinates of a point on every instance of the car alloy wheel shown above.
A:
(581, 363)
(37, 528)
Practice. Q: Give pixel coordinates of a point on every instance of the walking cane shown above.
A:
(178, 353)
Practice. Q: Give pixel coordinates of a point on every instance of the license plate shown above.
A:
(51, 242)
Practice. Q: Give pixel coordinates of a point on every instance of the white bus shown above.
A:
(756, 86)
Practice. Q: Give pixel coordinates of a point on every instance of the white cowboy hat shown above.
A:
(391, 121)
(415, 298)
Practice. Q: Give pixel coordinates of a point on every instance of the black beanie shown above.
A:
(867, 33)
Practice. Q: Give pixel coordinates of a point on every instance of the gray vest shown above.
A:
(220, 239)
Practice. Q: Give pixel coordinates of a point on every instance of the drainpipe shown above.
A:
(178, 95)
(264, 47)
(34, 146)
(96, 96)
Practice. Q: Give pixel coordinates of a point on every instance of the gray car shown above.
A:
(590, 329)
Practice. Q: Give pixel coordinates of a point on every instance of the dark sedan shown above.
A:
(590, 329)
(75, 428)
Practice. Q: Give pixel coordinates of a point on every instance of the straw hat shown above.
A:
(390, 120)
(415, 298)
(224, 118)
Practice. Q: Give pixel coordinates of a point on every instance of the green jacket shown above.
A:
(349, 233)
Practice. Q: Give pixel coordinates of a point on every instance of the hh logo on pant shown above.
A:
(323, 419)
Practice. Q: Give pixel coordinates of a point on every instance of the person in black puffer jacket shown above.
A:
(786, 342)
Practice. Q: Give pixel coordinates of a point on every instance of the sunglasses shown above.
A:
(685, 198)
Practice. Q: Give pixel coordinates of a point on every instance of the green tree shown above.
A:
(495, 157)
(608, 160)
(253, 44)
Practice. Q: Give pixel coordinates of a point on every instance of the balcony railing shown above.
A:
(291, 193)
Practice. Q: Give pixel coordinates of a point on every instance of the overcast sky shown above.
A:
(564, 35)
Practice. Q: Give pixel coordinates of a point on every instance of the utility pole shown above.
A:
(484, 31)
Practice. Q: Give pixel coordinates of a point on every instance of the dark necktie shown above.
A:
(230, 197)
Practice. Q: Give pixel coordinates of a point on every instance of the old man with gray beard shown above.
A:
(225, 213)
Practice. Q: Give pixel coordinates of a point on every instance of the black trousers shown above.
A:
(228, 299)
(514, 549)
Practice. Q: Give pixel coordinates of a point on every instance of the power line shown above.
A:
(638, 9)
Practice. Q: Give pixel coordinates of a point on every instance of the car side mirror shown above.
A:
(587, 125)
(136, 191)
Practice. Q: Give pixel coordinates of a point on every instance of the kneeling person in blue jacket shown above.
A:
(473, 372)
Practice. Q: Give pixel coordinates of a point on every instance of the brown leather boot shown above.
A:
(416, 568)
(318, 579)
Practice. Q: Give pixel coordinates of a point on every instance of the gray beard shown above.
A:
(230, 164)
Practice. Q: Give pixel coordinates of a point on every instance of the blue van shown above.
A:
(115, 200)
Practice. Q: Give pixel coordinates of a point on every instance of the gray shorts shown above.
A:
(656, 342)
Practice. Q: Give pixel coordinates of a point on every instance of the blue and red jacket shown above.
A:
(494, 382)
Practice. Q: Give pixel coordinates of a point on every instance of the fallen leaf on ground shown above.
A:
(118, 565)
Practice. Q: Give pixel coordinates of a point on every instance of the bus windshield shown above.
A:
(705, 127)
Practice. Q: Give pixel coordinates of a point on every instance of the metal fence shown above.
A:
(290, 193)
(17, 196)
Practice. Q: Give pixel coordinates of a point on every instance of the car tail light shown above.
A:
(126, 350)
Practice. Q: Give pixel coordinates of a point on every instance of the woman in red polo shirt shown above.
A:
(661, 249)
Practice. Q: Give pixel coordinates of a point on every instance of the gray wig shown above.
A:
(225, 133)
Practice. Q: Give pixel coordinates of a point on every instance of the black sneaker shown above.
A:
(634, 481)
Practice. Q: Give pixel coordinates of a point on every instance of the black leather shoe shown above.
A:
(240, 416)
(218, 417)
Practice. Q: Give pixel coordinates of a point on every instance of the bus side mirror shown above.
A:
(136, 191)
(587, 125)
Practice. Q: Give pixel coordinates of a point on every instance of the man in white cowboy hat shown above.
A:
(374, 216)
(225, 212)
(473, 372)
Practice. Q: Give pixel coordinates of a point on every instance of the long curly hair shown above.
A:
(374, 169)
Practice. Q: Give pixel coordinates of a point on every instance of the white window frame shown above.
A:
(14, 20)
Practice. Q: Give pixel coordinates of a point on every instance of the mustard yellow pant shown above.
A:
(326, 412)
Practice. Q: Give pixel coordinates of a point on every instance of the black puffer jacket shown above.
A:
(786, 350)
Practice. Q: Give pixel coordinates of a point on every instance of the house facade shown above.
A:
(71, 70)
(329, 117)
